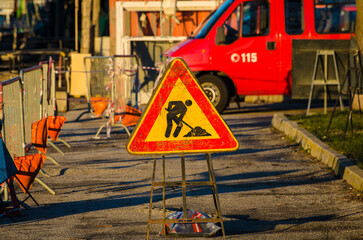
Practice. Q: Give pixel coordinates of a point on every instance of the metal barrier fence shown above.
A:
(48, 101)
(11, 115)
(23, 101)
(126, 81)
(112, 84)
(32, 81)
(98, 74)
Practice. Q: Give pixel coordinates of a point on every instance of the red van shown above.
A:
(244, 47)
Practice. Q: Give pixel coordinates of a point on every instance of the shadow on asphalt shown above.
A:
(236, 183)
(243, 224)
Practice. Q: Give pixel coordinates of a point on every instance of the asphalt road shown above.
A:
(268, 189)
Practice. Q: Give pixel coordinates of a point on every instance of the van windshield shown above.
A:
(207, 24)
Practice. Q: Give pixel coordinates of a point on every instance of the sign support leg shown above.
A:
(184, 190)
(183, 183)
(164, 213)
(151, 199)
(215, 192)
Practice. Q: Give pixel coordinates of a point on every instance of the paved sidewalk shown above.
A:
(268, 189)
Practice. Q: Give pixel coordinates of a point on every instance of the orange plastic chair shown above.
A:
(130, 117)
(99, 105)
(39, 136)
(28, 168)
(54, 126)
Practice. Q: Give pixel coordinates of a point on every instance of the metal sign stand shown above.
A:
(184, 184)
(325, 81)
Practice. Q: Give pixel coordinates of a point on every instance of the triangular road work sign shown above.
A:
(179, 118)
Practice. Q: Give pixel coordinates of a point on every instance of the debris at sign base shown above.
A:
(197, 132)
(190, 229)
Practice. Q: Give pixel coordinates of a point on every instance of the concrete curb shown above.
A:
(341, 165)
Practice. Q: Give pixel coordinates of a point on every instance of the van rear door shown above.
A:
(247, 52)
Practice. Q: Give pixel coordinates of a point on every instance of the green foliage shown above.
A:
(351, 145)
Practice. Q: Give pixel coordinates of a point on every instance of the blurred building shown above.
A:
(163, 18)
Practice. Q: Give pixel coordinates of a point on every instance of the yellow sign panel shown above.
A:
(193, 119)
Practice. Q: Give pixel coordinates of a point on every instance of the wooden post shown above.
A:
(96, 16)
(86, 26)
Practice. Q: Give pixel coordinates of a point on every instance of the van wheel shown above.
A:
(216, 91)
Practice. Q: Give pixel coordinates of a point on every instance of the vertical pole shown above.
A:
(76, 25)
(212, 182)
(338, 80)
(86, 11)
(161, 19)
(60, 69)
(184, 187)
(22, 131)
(42, 92)
(151, 199)
(312, 82)
(96, 5)
(114, 26)
(52, 88)
(325, 81)
(120, 43)
(164, 215)
(87, 75)
(215, 192)
(115, 81)
(15, 38)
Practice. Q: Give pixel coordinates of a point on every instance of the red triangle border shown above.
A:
(137, 144)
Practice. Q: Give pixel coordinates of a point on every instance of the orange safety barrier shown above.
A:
(54, 125)
(28, 168)
(40, 135)
(99, 105)
(130, 117)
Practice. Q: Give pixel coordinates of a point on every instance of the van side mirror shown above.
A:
(220, 37)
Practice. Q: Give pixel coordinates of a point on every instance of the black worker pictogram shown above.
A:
(176, 112)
